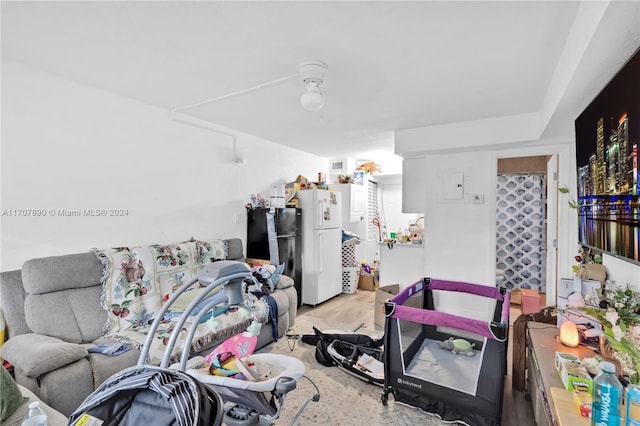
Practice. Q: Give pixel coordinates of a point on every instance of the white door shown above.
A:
(328, 261)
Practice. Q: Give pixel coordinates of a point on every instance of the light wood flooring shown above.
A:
(358, 308)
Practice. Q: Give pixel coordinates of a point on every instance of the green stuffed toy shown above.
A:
(457, 346)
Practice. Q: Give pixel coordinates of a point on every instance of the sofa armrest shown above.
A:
(36, 354)
(284, 281)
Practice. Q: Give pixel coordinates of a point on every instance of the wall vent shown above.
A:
(342, 166)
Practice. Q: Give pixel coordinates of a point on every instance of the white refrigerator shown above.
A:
(321, 245)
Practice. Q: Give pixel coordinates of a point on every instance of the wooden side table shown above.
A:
(549, 398)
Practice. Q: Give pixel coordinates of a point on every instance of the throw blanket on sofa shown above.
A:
(138, 280)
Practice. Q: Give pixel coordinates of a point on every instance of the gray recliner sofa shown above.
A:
(53, 314)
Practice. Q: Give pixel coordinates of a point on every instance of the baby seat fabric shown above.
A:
(152, 396)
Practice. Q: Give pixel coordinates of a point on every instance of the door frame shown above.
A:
(565, 220)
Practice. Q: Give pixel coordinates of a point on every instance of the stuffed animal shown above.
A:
(457, 346)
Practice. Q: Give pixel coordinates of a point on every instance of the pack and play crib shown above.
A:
(422, 366)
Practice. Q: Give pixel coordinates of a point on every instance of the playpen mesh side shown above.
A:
(484, 408)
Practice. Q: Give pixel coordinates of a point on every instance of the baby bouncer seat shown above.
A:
(210, 399)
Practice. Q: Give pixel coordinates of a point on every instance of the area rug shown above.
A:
(344, 399)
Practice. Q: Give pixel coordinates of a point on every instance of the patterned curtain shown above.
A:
(521, 231)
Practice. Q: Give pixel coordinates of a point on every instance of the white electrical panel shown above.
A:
(452, 186)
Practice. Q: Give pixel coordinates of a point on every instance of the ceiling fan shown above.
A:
(312, 72)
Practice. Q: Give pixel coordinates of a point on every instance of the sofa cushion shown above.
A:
(49, 274)
(234, 249)
(284, 282)
(36, 354)
(13, 294)
(104, 366)
(11, 397)
(74, 315)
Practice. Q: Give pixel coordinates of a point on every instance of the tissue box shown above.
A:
(573, 374)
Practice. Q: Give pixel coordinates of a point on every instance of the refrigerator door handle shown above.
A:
(320, 213)
(321, 251)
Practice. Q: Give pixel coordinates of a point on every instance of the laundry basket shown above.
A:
(350, 275)
(350, 268)
(349, 254)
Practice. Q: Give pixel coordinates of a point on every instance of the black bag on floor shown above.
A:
(346, 351)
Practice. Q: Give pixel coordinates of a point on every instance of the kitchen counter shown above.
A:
(403, 245)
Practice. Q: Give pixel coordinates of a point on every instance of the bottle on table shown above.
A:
(607, 397)
(632, 405)
(35, 415)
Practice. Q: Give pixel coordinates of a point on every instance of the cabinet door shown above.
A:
(413, 192)
(358, 203)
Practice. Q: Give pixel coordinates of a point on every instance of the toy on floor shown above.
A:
(457, 346)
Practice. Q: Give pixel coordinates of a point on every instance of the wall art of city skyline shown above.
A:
(607, 143)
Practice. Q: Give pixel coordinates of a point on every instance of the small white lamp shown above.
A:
(569, 334)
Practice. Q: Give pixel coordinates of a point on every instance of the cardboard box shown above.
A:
(382, 295)
(367, 282)
(573, 374)
(387, 292)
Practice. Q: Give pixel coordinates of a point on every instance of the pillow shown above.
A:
(36, 354)
(275, 276)
(10, 398)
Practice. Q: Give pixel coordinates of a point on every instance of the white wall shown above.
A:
(460, 236)
(621, 272)
(457, 233)
(70, 146)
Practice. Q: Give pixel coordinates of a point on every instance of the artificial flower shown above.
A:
(618, 311)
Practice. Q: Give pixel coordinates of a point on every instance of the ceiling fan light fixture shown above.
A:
(312, 73)
(312, 99)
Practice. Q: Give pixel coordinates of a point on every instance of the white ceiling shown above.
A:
(391, 65)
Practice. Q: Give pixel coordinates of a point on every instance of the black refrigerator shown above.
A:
(288, 230)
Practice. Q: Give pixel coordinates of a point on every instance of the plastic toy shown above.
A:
(457, 346)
